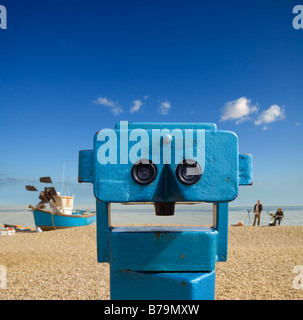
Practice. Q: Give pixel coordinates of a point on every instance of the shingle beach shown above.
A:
(62, 264)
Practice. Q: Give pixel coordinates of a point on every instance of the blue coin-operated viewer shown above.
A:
(164, 164)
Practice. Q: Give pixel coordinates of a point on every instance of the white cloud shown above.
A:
(115, 109)
(272, 114)
(238, 110)
(104, 102)
(164, 108)
(137, 104)
(242, 110)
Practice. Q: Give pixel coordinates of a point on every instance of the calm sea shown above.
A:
(184, 214)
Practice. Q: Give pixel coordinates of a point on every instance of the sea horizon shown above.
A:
(184, 214)
(20, 206)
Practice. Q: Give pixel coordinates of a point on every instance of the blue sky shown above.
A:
(71, 68)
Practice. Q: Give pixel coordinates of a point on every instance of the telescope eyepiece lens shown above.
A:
(144, 172)
(189, 172)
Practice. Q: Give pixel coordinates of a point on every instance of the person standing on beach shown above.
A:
(257, 211)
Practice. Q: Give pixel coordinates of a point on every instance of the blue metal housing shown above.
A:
(144, 257)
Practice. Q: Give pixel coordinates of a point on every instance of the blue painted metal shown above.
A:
(86, 173)
(162, 286)
(245, 169)
(103, 231)
(179, 260)
(114, 183)
(169, 248)
(48, 221)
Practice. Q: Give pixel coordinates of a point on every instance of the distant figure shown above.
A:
(278, 216)
(257, 211)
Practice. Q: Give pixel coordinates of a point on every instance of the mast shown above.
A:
(62, 178)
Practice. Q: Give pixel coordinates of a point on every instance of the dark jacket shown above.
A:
(260, 207)
(279, 214)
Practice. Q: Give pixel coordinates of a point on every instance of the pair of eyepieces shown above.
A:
(145, 172)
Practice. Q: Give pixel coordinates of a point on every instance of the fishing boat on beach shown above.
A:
(56, 211)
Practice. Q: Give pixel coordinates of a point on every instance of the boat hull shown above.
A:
(50, 221)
